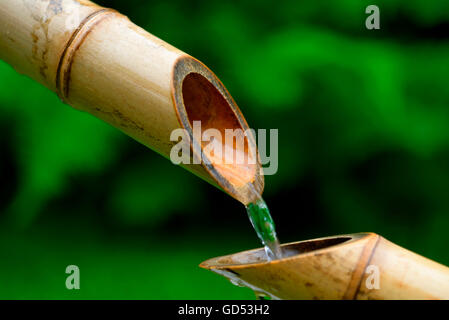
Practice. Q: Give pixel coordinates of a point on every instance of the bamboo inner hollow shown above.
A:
(223, 140)
(288, 250)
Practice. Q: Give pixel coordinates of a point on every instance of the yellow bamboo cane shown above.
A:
(355, 266)
(98, 61)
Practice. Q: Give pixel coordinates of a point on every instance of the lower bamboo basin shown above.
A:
(354, 266)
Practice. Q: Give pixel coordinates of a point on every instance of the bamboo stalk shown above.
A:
(340, 267)
(98, 61)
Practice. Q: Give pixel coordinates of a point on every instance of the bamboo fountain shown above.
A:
(98, 61)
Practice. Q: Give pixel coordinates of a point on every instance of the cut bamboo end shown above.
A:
(362, 266)
(98, 61)
(200, 96)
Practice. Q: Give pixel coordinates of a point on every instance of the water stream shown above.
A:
(263, 224)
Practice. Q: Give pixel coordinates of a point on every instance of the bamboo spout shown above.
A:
(356, 266)
(98, 61)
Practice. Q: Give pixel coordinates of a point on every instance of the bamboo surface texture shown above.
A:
(339, 267)
(98, 61)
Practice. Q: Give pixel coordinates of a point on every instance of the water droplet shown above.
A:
(237, 283)
(262, 295)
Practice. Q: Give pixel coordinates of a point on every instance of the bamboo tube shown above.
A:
(98, 61)
(340, 267)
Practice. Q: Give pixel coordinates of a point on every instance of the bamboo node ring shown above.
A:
(71, 48)
(359, 270)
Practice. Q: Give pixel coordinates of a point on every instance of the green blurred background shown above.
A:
(363, 119)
